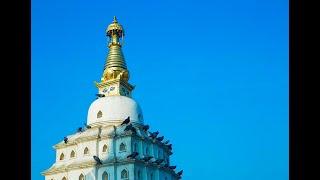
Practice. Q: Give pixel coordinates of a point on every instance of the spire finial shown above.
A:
(115, 70)
(115, 61)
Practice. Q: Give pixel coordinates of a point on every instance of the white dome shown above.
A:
(114, 109)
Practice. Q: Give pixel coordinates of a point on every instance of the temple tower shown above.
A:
(115, 144)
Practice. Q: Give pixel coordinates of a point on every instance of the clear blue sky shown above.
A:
(211, 76)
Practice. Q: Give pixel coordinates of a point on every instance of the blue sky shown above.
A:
(211, 76)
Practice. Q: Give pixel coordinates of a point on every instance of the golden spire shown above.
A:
(115, 76)
(115, 67)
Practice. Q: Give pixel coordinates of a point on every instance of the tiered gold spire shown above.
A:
(115, 70)
(115, 66)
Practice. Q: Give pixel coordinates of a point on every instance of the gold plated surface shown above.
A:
(114, 27)
(115, 69)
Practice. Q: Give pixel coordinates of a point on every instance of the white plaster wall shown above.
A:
(141, 149)
(89, 174)
(154, 150)
(109, 153)
(67, 152)
(114, 172)
(110, 171)
(146, 145)
(136, 169)
(127, 142)
(91, 145)
(128, 167)
(150, 174)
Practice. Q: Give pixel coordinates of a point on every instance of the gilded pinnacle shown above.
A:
(114, 28)
(115, 67)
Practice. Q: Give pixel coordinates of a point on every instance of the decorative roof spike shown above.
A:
(115, 66)
(115, 19)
